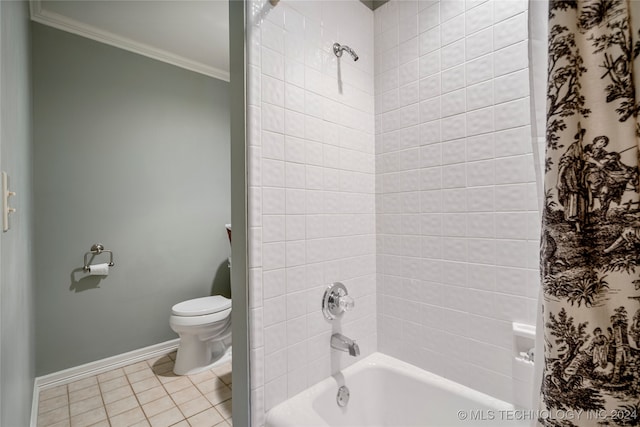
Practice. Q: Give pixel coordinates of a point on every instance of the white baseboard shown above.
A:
(94, 368)
(35, 401)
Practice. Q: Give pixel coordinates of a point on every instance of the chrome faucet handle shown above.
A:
(336, 300)
(346, 303)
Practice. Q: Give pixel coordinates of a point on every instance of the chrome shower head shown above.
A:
(338, 49)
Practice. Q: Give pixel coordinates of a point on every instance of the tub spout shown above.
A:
(342, 343)
(354, 350)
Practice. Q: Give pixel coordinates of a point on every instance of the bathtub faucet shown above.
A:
(342, 343)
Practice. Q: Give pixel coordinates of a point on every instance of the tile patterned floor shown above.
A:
(143, 394)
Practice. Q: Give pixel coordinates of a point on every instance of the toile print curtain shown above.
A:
(590, 246)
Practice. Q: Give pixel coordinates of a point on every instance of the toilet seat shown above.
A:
(201, 306)
(205, 319)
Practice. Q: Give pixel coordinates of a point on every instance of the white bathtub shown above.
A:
(386, 392)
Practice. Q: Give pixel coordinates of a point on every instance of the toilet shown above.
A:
(204, 327)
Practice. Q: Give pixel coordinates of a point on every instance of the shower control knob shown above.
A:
(346, 303)
(336, 300)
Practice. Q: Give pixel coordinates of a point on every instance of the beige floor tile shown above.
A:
(120, 406)
(79, 385)
(54, 416)
(159, 360)
(53, 392)
(151, 394)
(177, 385)
(144, 394)
(143, 423)
(157, 406)
(223, 372)
(88, 418)
(145, 384)
(219, 395)
(222, 369)
(135, 367)
(224, 408)
(140, 375)
(208, 418)
(53, 403)
(85, 393)
(107, 376)
(185, 394)
(117, 394)
(164, 368)
(202, 376)
(194, 406)
(227, 378)
(166, 418)
(86, 405)
(113, 384)
(210, 385)
(168, 377)
(131, 417)
(173, 354)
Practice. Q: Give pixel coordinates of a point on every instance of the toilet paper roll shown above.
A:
(99, 269)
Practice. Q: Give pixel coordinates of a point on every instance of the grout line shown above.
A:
(173, 400)
(135, 394)
(68, 402)
(104, 406)
(171, 394)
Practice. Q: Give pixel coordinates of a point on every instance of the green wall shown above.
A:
(17, 354)
(132, 153)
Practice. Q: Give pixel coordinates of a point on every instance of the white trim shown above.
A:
(100, 366)
(76, 27)
(35, 401)
(94, 368)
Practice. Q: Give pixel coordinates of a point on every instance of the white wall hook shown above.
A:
(6, 209)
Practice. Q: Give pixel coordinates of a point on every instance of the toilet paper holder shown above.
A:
(97, 249)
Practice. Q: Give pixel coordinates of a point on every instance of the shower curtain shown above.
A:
(590, 244)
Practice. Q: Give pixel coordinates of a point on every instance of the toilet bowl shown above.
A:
(204, 327)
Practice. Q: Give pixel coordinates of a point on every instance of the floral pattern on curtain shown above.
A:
(590, 246)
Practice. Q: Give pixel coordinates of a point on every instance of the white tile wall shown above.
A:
(312, 186)
(432, 223)
(457, 268)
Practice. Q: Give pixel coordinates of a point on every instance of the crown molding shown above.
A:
(373, 4)
(61, 22)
